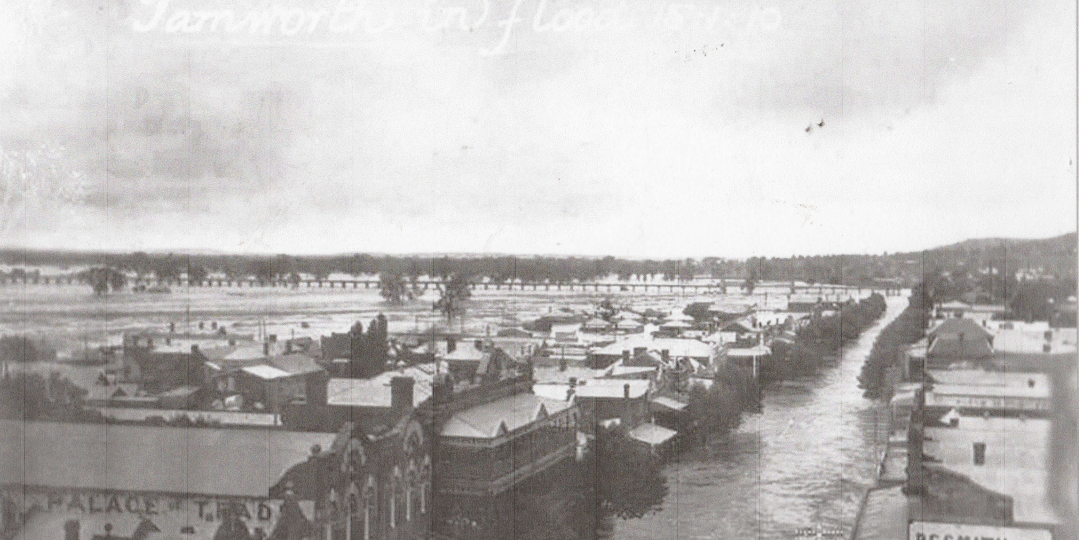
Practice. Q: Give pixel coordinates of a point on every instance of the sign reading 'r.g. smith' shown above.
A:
(926, 530)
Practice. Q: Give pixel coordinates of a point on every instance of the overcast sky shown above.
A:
(636, 128)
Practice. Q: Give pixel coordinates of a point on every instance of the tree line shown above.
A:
(823, 336)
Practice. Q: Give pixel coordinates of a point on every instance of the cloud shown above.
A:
(669, 134)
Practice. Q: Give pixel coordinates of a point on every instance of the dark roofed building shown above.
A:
(186, 482)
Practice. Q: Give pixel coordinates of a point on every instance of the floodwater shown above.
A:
(74, 314)
(804, 462)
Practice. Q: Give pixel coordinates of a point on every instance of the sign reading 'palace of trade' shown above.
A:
(927, 530)
(87, 514)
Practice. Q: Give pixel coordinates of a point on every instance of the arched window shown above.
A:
(425, 483)
(356, 528)
(369, 500)
(395, 489)
(412, 489)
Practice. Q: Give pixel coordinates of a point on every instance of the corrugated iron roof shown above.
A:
(205, 461)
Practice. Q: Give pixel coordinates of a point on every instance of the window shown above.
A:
(425, 483)
(979, 453)
(368, 506)
(395, 488)
(409, 484)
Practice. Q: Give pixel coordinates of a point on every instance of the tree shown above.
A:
(749, 284)
(263, 270)
(718, 409)
(167, 268)
(22, 349)
(455, 292)
(104, 278)
(30, 396)
(196, 274)
(629, 480)
(393, 288)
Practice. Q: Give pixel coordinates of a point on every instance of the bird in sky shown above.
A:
(821, 123)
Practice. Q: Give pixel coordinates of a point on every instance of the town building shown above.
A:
(490, 439)
(80, 481)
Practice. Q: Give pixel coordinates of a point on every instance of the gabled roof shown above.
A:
(502, 416)
(295, 364)
(651, 434)
(954, 327)
(678, 347)
(756, 350)
(265, 372)
(596, 389)
(955, 304)
(376, 391)
(204, 461)
(465, 352)
(596, 323)
(672, 404)
(676, 324)
(968, 348)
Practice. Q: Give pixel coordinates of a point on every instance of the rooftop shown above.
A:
(265, 372)
(677, 347)
(506, 415)
(668, 403)
(1012, 383)
(955, 327)
(949, 346)
(749, 352)
(595, 389)
(651, 434)
(376, 391)
(1016, 459)
(205, 461)
(295, 363)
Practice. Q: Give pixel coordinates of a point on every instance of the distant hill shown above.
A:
(1056, 255)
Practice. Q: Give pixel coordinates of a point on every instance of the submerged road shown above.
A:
(802, 463)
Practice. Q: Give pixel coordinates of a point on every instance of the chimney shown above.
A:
(273, 338)
(573, 382)
(562, 364)
(451, 345)
(401, 393)
(666, 355)
(213, 325)
(168, 340)
(625, 356)
(172, 327)
(202, 325)
(194, 348)
(625, 391)
(232, 343)
(266, 349)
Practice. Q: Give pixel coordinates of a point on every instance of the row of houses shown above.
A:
(975, 434)
(422, 447)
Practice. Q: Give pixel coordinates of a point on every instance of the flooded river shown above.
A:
(803, 462)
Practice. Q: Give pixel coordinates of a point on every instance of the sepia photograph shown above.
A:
(539, 270)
